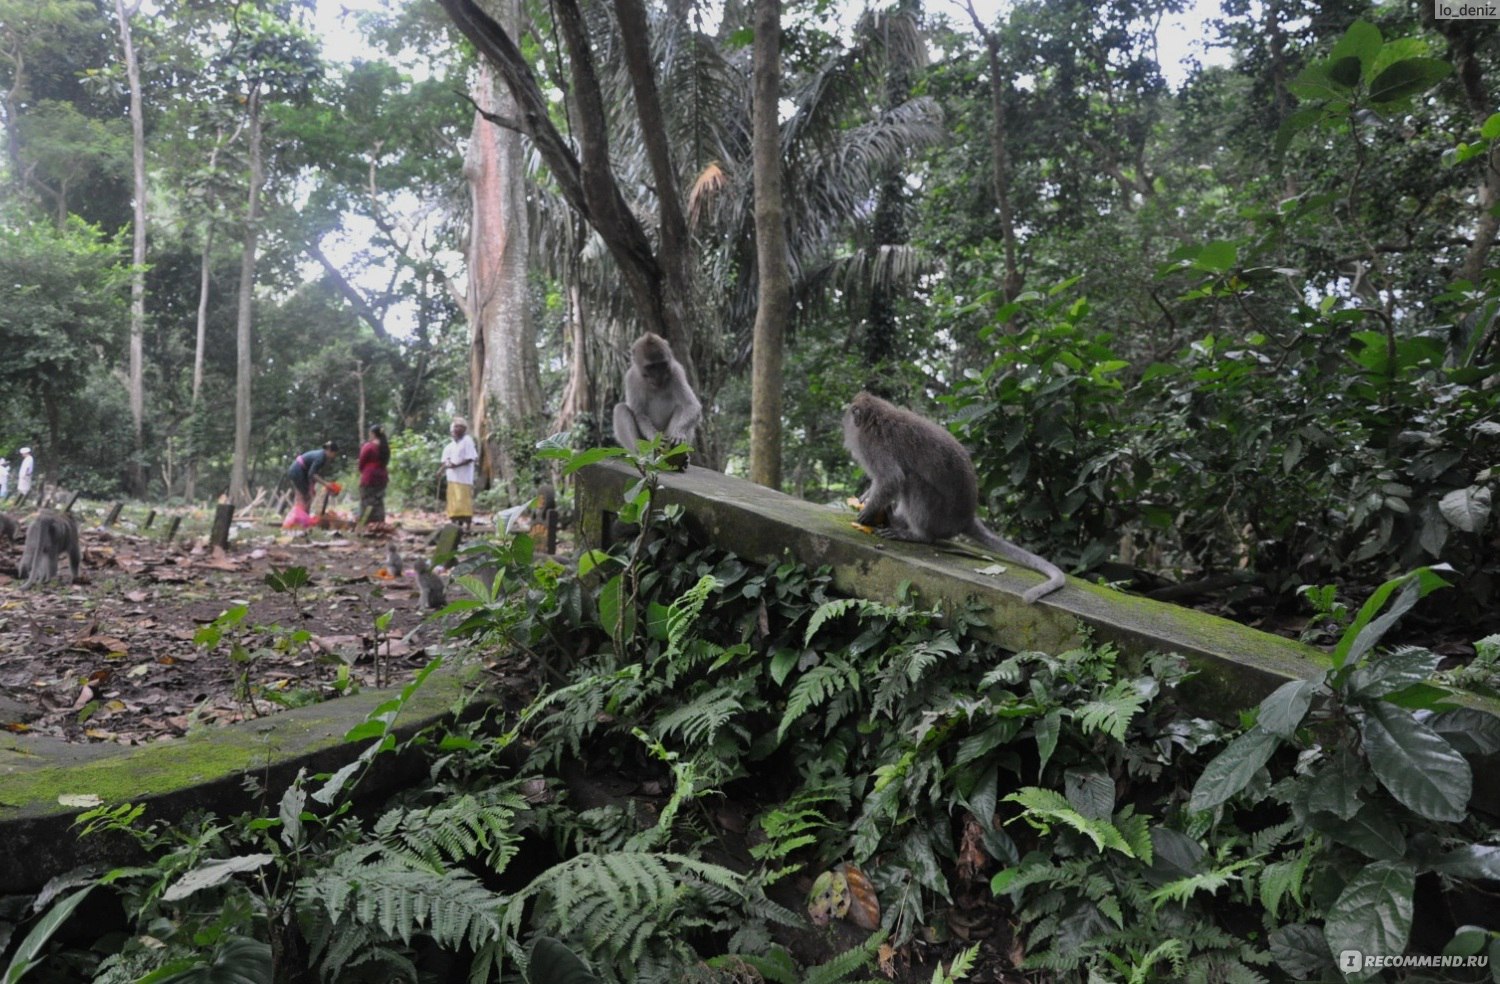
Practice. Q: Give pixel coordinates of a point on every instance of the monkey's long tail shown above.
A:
(1020, 555)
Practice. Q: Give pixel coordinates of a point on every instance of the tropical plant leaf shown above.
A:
(1233, 768)
(1281, 713)
(1374, 911)
(1467, 509)
(1416, 765)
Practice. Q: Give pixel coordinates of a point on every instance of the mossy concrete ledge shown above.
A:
(1237, 665)
(204, 771)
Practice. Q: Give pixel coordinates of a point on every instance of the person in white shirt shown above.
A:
(23, 474)
(4, 478)
(458, 463)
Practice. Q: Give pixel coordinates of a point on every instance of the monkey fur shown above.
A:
(429, 586)
(658, 399)
(923, 484)
(49, 534)
(393, 562)
(8, 528)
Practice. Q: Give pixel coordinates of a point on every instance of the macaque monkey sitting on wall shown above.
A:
(922, 484)
(49, 534)
(658, 399)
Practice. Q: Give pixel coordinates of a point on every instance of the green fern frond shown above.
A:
(699, 721)
(1268, 839)
(621, 902)
(837, 970)
(1281, 879)
(1182, 889)
(816, 687)
(867, 609)
(684, 612)
(451, 907)
(1044, 807)
(905, 668)
(455, 830)
(1111, 713)
(1136, 829)
(1173, 951)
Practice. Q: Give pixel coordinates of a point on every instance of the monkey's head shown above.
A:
(862, 409)
(653, 357)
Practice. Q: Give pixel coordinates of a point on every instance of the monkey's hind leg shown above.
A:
(627, 427)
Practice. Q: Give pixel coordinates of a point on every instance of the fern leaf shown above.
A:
(1045, 807)
(818, 686)
(837, 970)
(1111, 713)
(1280, 879)
(684, 612)
(828, 611)
(1182, 889)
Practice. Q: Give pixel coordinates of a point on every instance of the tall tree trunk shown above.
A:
(999, 158)
(205, 263)
(1465, 39)
(585, 180)
(137, 470)
(775, 295)
(239, 489)
(504, 377)
(578, 394)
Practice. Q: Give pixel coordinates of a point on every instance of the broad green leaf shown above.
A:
(1390, 672)
(1282, 712)
(1399, 49)
(1474, 861)
(1467, 509)
(33, 947)
(1366, 629)
(1091, 793)
(615, 614)
(1407, 78)
(1468, 730)
(1300, 950)
(1315, 82)
(782, 663)
(1336, 789)
(590, 560)
(1416, 765)
(1344, 71)
(1233, 768)
(1217, 256)
(589, 457)
(1373, 912)
(1362, 42)
(1468, 941)
(1047, 729)
(1491, 128)
(1372, 831)
(212, 873)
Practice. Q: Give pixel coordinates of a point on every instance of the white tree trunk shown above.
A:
(504, 379)
(138, 254)
(239, 489)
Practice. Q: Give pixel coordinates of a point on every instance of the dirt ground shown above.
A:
(113, 658)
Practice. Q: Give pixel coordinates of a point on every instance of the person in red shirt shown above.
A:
(374, 455)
